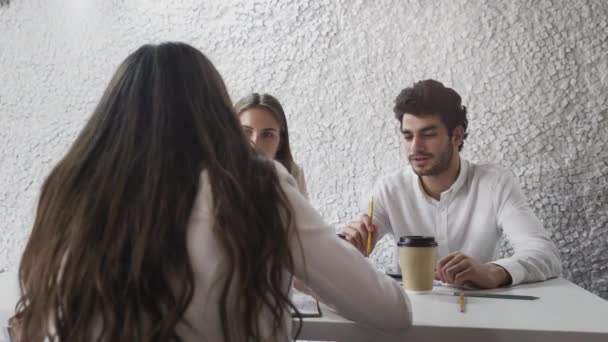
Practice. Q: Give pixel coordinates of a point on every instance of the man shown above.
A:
(465, 206)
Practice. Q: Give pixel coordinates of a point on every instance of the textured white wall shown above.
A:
(534, 75)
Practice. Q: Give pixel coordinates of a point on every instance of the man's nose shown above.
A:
(417, 145)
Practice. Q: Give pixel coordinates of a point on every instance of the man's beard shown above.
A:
(440, 165)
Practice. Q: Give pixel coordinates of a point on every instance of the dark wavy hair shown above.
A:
(108, 247)
(430, 97)
(273, 106)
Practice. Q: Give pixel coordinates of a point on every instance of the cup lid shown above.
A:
(417, 241)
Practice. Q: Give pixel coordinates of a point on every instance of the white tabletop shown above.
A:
(564, 312)
(9, 295)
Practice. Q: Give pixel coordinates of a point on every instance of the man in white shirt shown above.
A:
(465, 206)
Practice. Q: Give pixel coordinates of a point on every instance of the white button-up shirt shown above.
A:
(484, 202)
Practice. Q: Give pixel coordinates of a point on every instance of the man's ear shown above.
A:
(458, 135)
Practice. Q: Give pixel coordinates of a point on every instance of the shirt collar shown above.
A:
(460, 180)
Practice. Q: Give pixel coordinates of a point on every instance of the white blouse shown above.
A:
(330, 266)
(298, 174)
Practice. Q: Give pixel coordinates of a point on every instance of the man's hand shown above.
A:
(356, 233)
(459, 269)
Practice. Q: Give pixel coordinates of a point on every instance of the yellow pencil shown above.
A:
(370, 236)
(461, 301)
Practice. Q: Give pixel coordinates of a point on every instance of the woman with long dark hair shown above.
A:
(161, 223)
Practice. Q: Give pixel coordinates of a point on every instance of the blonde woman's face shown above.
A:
(262, 130)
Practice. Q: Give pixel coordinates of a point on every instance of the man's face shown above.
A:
(428, 146)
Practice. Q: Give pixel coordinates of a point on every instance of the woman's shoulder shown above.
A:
(286, 177)
(298, 174)
(296, 169)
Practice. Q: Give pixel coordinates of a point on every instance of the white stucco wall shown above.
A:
(534, 75)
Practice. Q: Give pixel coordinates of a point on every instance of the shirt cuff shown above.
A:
(517, 271)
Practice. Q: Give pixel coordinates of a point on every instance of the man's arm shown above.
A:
(535, 259)
(535, 256)
(460, 269)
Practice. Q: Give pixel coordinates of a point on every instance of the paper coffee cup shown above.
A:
(417, 256)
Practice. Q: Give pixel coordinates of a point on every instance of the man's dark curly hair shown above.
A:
(430, 97)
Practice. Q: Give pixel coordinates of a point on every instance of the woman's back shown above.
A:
(332, 268)
(209, 263)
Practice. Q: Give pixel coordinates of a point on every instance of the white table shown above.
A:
(9, 294)
(564, 312)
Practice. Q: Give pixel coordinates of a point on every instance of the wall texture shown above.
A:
(534, 75)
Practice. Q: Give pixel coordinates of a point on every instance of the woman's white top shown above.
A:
(330, 266)
(298, 174)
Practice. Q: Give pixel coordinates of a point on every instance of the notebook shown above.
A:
(398, 278)
(4, 334)
(307, 305)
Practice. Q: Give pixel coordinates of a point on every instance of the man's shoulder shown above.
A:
(489, 174)
(488, 169)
